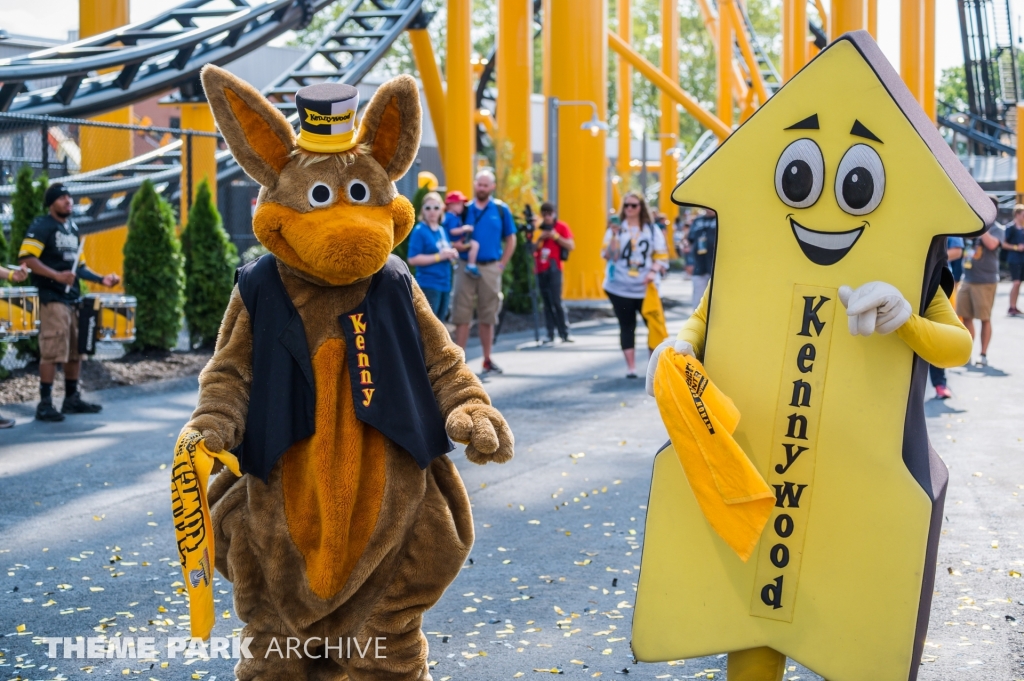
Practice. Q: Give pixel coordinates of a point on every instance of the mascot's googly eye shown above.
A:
(860, 180)
(320, 195)
(358, 192)
(800, 174)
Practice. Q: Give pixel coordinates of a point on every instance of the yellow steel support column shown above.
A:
(747, 50)
(669, 123)
(100, 147)
(928, 63)
(1020, 156)
(430, 76)
(873, 18)
(515, 84)
(459, 129)
(625, 93)
(724, 85)
(579, 72)
(787, 39)
(912, 46)
(798, 53)
(658, 79)
(847, 15)
(197, 116)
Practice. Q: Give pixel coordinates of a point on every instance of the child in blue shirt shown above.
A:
(432, 255)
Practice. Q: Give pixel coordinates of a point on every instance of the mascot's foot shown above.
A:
(756, 664)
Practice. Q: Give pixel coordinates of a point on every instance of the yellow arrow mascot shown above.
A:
(829, 295)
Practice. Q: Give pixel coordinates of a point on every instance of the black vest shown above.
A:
(390, 387)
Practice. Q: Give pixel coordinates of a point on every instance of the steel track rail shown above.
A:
(116, 68)
(351, 46)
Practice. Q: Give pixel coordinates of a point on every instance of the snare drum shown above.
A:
(106, 317)
(19, 312)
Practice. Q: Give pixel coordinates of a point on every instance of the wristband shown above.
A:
(10, 275)
(437, 257)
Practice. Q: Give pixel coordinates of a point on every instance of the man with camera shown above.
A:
(554, 243)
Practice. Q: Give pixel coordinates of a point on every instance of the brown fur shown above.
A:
(349, 538)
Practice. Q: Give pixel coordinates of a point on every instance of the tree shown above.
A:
(154, 270)
(210, 261)
(953, 87)
(27, 205)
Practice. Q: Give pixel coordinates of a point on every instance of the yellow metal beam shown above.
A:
(799, 47)
(197, 117)
(625, 92)
(847, 15)
(912, 46)
(748, 54)
(669, 120)
(515, 84)
(710, 19)
(724, 66)
(928, 65)
(660, 81)
(483, 117)
(459, 129)
(820, 6)
(579, 72)
(433, 87)
(1020, 157)
(787, 39)
(104, 147)
(873, 18)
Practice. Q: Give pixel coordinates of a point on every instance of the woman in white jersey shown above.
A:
(637, 255)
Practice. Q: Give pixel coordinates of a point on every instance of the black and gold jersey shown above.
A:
(56, 246)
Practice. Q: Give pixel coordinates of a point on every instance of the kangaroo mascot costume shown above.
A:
(339, 519)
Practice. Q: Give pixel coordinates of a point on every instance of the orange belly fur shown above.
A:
(333, 481)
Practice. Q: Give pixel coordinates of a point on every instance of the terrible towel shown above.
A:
(654, 316)
(192, 526)
(733, 496)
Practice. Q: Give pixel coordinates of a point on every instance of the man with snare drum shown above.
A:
(52, 251)
(15, 275)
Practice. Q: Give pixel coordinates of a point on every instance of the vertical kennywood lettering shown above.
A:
(794, 450)
(362, 358)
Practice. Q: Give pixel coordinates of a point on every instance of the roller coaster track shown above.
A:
(349, 48)
(116, 68)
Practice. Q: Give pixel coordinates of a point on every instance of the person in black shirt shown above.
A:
(52, 251)
(703, 238)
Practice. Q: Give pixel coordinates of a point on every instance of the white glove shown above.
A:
(875, 306)
(680, 346)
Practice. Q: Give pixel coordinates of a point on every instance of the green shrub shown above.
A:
(210, 261)
(517, 278)
(27, 205)
(154, 270)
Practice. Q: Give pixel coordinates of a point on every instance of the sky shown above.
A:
(17, 16)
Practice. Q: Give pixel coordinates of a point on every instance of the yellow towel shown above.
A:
(654, 315)
(193, 528)
(733, 496)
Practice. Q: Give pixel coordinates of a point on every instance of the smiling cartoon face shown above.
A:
(834, 177)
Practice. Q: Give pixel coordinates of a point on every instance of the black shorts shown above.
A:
(1016, 270)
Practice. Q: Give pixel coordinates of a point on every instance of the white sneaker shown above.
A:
(983, 361)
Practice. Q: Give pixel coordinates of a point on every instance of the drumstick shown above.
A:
(78, 259)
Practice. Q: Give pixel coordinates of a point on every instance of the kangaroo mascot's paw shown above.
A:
(484, 431)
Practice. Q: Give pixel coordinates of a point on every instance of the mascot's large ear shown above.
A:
(391, 125)
(258, 135)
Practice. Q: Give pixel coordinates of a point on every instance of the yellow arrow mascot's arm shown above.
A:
(938, 337)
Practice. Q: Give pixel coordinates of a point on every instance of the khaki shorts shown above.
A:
(483, 293)
(974, 301)
(58, 333)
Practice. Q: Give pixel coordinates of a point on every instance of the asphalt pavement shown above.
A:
(87, 545)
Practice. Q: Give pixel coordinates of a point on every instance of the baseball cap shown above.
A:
(455, 196)
(54, 192)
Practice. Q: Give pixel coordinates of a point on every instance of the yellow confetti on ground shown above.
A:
(20, 628)
(606, 651)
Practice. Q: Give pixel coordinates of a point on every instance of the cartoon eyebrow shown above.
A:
(809, 123)
(861, 131)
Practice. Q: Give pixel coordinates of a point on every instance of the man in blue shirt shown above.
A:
(495, 231)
